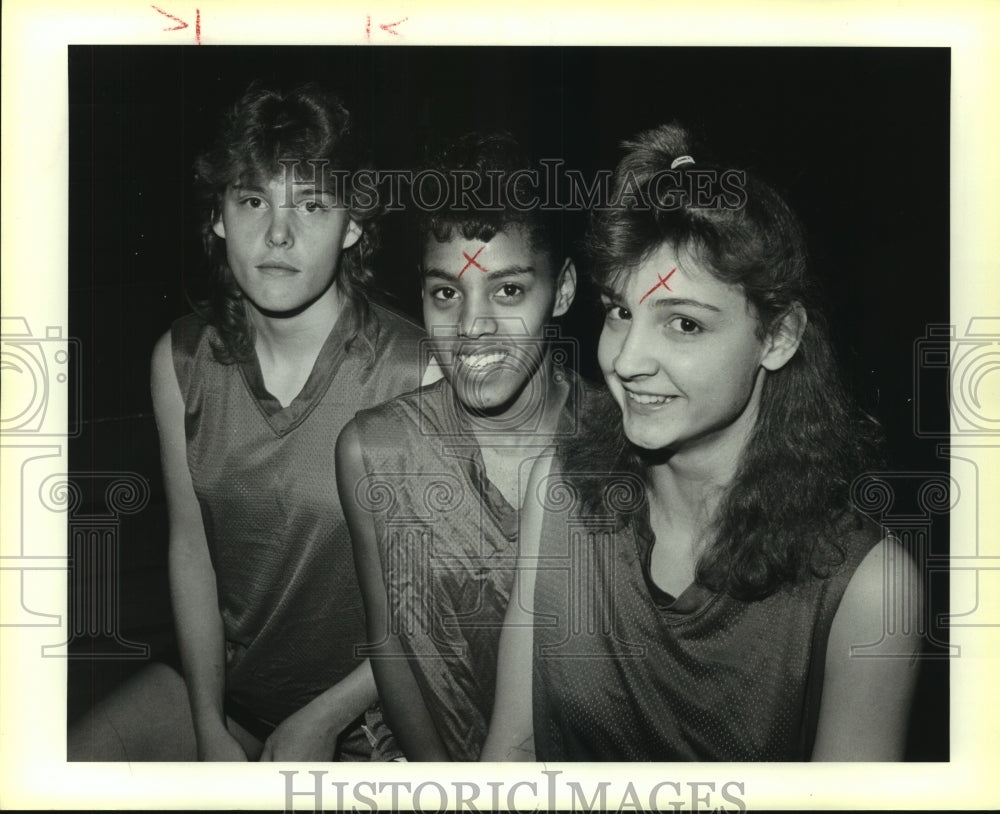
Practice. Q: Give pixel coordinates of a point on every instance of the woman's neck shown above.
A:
(683, 503)
(287, 347)
(685, 487)
(687, 499)
(288, 337)
(506, 451)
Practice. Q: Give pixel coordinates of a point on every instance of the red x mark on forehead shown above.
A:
(662, 281)
(472, 262)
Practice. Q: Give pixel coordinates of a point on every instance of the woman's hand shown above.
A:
(306, 734)
(311, 732)
(219, 745)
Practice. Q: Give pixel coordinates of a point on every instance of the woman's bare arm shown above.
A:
(192, 578)
(402, 701)
(511, 733)
(866, 696)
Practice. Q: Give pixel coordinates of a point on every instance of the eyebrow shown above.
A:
(498, 274)
(615, 296)
(297, 192)
(684, 301)
(313, 191)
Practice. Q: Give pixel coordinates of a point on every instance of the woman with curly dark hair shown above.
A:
(693, 574)
(250, 394)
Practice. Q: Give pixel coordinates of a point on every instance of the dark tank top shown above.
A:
(447, 542)
(264, 478)
(624, 671)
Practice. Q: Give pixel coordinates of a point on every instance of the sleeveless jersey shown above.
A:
(265, 480)
(447, 542)
(624, 671)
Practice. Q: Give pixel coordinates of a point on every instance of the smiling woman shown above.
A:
(435, 553)
(685, 363)
(486, 325)
(713, 571)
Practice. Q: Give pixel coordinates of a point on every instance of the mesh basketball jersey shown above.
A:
(448, 545)
(264, 478)
(624, 671)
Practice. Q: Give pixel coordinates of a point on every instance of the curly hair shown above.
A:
(265, 132)
(781, 515)
(495, 161)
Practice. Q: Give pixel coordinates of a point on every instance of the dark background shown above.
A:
(857, 139)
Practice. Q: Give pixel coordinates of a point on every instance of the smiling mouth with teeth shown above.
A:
(481, 360)
(642, 398)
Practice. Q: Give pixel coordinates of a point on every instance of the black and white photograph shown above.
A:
(606, 408)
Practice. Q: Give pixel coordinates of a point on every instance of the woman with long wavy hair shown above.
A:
(693, 575)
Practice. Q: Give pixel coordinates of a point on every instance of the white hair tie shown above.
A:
(680, 161)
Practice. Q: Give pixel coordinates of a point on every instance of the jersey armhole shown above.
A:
(185, 335)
